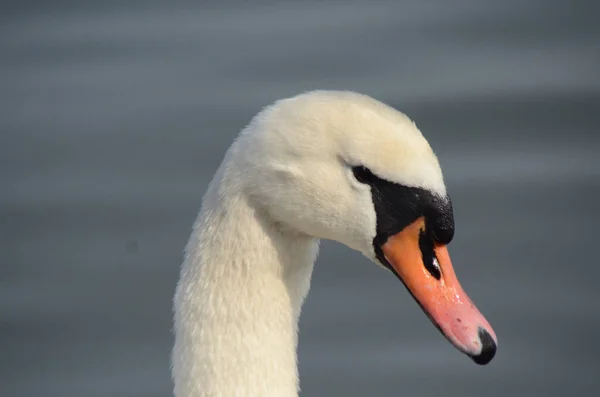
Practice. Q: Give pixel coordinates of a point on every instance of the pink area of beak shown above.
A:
(443, 299)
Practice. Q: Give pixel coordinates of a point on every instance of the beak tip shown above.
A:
(488, 348)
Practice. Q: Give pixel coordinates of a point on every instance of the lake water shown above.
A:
(114, 118)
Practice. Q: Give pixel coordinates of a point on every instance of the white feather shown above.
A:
(284, 183)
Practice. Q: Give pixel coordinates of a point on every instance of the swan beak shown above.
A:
(439, 293)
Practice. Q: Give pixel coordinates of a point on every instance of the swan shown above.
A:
(334, 165)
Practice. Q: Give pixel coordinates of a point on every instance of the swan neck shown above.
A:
(237, 303)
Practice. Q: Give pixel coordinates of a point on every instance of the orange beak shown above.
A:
(443, 299)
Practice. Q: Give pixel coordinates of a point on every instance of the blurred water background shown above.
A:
(115, 114)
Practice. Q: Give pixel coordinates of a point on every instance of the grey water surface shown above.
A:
(114, 116)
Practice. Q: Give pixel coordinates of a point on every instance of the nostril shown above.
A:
(488, 348)
(427, 252)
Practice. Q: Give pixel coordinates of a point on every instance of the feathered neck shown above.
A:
(238, 300)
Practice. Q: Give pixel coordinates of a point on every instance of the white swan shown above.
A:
(321, 165)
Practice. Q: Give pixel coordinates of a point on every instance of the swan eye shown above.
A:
(363, 174)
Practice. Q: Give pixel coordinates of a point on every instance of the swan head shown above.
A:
(345, 167)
